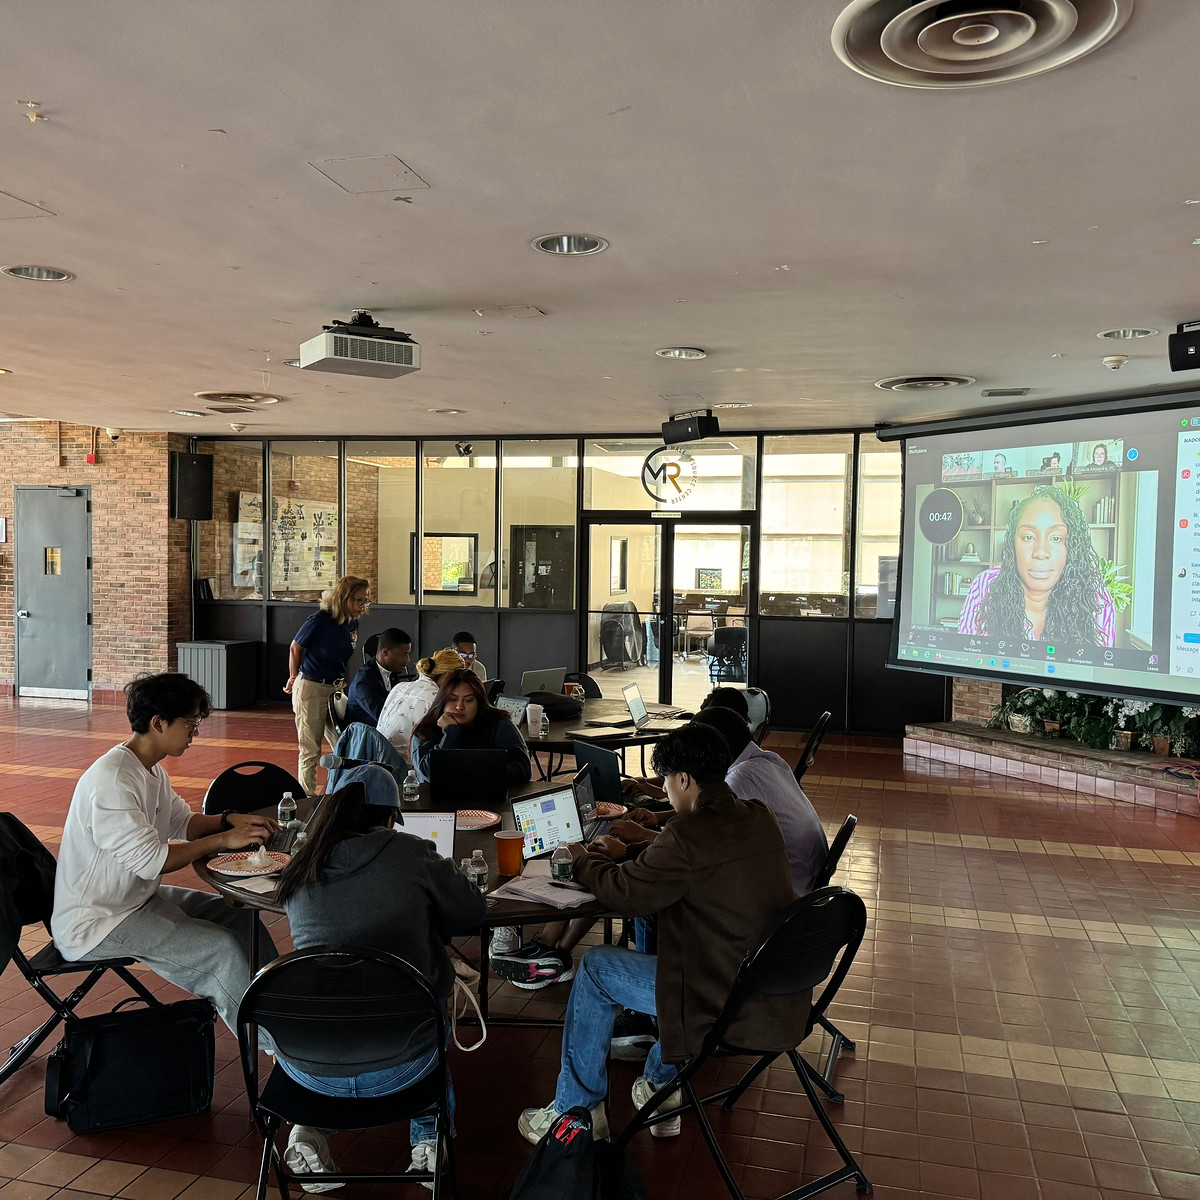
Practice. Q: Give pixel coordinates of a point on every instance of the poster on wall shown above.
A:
(303, 548)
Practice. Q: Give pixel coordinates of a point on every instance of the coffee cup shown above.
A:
(509, 846)
(533, 714)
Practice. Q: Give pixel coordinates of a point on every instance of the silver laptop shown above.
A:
(551, 680)
(515, 706)
(546, 820)
(638, 711)
(435, 827)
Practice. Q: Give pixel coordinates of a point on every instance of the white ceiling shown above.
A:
(712, 144)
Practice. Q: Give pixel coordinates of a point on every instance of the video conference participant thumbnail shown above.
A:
(1048, 585)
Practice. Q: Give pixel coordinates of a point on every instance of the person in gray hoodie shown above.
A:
(357, 881)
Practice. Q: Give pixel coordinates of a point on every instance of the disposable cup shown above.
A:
(533, 714)
(509, 844)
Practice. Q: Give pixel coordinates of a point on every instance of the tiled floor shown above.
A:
(1026, 1003)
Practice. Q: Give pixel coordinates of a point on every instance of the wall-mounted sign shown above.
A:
(669, 475)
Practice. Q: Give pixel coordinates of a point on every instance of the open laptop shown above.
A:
(605, 775)
(468, 779)
(585, 803)
(546, 820)
(435, 827)
(515, 706)
(551, 680)
(640, 715)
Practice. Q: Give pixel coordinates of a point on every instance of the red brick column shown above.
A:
(973, 700)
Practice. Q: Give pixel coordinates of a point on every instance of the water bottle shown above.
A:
(561, 865)
(287, 809)
(481, 870)
(545, 729)
(412, 788)
(468, 869)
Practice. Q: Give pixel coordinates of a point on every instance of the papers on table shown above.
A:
(263, 885)
(538, 889)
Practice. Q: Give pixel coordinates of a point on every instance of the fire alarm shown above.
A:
(91, 459)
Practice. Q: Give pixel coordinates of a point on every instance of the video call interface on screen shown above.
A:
(1058, 553)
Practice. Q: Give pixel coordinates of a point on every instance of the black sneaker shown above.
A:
(534, 966)
(633, 1035)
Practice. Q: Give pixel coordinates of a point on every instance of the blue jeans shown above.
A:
(608, 980)
(645, 934)
(380, 1083)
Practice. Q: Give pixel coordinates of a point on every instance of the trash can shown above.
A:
(227, 671)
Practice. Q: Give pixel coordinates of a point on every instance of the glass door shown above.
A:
(675, 642)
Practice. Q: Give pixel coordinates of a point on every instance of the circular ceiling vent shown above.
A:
(922, 383)
(238, 397)
(969, 43)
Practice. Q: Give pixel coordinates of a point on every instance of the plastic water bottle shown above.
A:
(468, 869)
(481, 870)
(545, 729)
(412, 788)
(286, 812)
(562, 867)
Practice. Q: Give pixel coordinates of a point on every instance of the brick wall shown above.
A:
(974, 699)
(141, 569)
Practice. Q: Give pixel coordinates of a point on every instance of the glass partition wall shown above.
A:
(684, 549)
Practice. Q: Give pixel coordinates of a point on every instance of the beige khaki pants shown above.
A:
(310, 704)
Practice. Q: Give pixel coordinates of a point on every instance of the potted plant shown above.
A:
(1185, 733)
(1024, 712)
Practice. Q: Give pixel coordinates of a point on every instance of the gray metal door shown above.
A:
(53, 591)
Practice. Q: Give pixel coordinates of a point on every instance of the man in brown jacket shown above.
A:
(715, 877)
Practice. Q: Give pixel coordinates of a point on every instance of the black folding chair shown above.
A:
(328, 1009)
(812, 745)
(339, 703)
(27, 898)
(813, 940)
(248, 786)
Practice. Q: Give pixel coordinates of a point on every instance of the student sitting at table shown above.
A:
(461, 718)
(465, 644)
(377, 676)
(715, 876)
(407, 703)
(357, 882)
(127, 828)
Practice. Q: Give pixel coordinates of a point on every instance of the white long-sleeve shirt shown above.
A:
(114, 847)
(406, 704)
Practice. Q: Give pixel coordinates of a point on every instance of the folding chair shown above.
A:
(339, 702)
(248, 786)
(812, 745)
(27, 898)
(328, 1009)
(814, 939)
(838, 1041)
(359, 744)
(759, 704)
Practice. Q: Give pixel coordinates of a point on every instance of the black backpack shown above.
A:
(557, 706)
(567, 1162)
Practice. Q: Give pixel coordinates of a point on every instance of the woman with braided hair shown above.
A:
(1048, 586)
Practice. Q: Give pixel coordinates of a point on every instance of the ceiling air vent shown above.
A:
(1004, 393)
(969, 43)
(922, 383)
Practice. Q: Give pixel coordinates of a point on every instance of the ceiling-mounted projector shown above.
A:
(361, 346)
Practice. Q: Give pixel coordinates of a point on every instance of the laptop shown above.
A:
(640, 714)
(551, 680)
(605, 772)
(585, 803)
(468, 779)
(284, 840)
(435, 827)
(515, 706)
(546, 820)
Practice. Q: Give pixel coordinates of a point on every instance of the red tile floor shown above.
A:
(1026, 1003)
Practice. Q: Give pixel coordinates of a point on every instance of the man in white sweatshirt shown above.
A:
(119, 841)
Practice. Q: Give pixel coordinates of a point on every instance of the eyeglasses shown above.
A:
(361, 601)
(192, 723)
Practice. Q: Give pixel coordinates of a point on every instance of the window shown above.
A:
(230, 548)
(538, 499)
(304, 520)
(878, 551)
(458, 516)
(803, 570)
(716, 474)
(381, 516)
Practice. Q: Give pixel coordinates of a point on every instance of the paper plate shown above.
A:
(236, 864)
(475, 818)
(610, 812)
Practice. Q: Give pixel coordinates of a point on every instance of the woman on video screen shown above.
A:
(1047, 586)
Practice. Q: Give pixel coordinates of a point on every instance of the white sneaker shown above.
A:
(424, 1158)
(535, 1123)
(504, 939)
(643, 1089)
(308, 1153)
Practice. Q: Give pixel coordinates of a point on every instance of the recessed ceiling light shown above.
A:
(688, 352)
(291, 362)
(569, 243)
(186, 412)
(42, 274)
(1192, 202)
(238, 397)
(1123, 335)
(448, 412)
(5, 371)
(733, 404)
(1040, 241)
(921, 383)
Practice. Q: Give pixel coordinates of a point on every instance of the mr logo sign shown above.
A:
(669, 475)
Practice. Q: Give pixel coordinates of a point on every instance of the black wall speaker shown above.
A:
(690, 429)
(1183, 349)
(191, 496)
